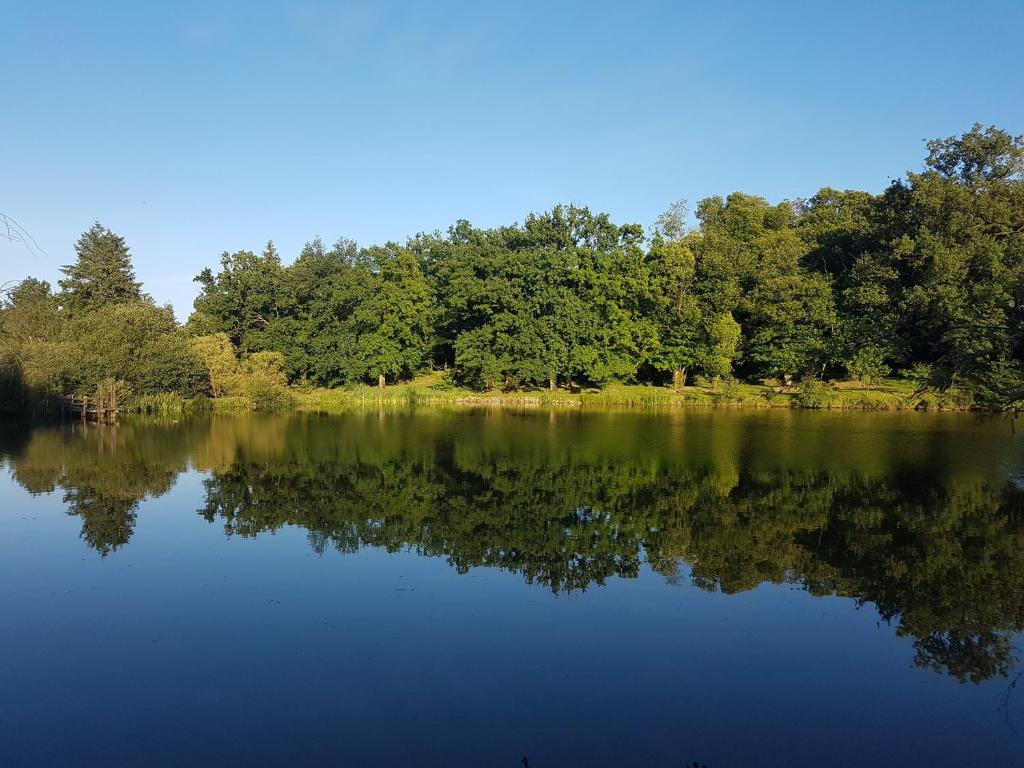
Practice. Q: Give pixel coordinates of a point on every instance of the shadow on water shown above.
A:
(916, 519)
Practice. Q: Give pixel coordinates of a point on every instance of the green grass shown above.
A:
(166, 404)
(434, 389)
(232, 404)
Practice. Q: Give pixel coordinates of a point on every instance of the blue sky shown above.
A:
(194, 128)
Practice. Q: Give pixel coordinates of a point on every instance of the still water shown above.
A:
(468, 588)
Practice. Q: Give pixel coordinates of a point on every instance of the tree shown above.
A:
(978, 157)
(218, 356)
(29, 324)
(724, 336)
(394, 322)
(959, 248)
(682, 341)
(102, 274)
(114, 342)
(242, 299)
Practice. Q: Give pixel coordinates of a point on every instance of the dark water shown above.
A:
(464, 589)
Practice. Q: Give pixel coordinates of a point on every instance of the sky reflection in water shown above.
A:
(464, 588)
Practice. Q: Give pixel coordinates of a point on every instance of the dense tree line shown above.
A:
(925, 281)
(99, 333)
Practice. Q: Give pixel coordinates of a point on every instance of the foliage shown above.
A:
(264, 382)
(924, 281)
(868, 364)
(217, 354)
(258, 379)
(724, 335)
(102, 275)
(815, 394)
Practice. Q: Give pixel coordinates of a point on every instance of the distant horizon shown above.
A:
(195, 129)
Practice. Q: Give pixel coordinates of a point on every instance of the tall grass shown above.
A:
(885, 396)
(166, 404)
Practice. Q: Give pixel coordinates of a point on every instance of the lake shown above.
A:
(466, 588)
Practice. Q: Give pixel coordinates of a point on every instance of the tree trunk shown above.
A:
(381, 382)
(551, 383)
(679, 378)
(568, 382)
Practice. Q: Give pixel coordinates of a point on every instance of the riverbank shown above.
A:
(887, 395)
(434, 390)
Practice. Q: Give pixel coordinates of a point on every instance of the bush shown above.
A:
(217, 355)
(266, 396)
(868, 365)
(814, 394)
(920, 374)
(445, 382)
(169, 364)
(728, 391)
(265, 383)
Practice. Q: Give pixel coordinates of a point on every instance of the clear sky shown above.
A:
(194, 128)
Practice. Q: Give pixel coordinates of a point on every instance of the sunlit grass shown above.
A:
(434, 389)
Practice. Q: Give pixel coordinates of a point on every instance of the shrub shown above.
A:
(728, 391)
(169, 364)
(264, 382)
(217, 355)
(266, 396)
(814, 394)
(445, 382)
(868, 365)
(920, 374)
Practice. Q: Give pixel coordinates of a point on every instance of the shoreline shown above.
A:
(888, 396)
(891, 396)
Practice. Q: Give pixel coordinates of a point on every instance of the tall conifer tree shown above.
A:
(102, 275)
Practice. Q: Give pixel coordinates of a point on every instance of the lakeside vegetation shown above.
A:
(432, 390)
(912, 298)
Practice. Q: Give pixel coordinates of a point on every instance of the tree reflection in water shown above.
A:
(912, 520)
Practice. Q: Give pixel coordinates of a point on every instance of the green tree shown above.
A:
(394, 322)
(220, 360)
(29, 324)
(724, 334)
(242, 300)
(102, 274)
(116, 342)
(682, 340)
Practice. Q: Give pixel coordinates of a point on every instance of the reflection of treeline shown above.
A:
(946, 564)
(103, 473)
(570, 503)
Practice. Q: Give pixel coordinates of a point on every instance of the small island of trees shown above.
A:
(923, 283)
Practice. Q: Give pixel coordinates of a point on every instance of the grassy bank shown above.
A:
(435, 390)
(888, 395)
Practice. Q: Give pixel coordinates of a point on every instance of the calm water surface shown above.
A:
(463, 589)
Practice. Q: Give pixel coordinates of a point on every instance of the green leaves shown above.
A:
(845, 283)
(102, 275)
